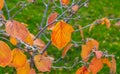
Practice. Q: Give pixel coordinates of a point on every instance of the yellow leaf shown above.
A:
(24, 70)
(113, 66)
(95, 66)
(81, 32)
(42, 63)
(1, 4)
(13, 40)
(82, 70)
(65, 2)
(61, 34)
(66, 49)
(5, 54)
(92, 25)
(19, 58)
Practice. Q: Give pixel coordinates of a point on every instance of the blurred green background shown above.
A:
(109, 39)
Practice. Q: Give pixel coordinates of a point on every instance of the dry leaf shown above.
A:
(16, 30)
(105, 21)
(19, 58)
(107, 62)
(113, 66)
(24, 70)
(75, 8)
(5, 54)
(52, 17)
(61, 34)
(81, 32)
(42, 63)
(92, 25)
(65, 2)
(95, 66)
(32, 71)
(13, 40)
(66, 49)
(1, 4)
(82, 70)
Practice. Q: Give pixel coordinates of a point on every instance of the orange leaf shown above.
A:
(66, 49)
(16, 30)
(81, 32)
(29, 40)
(65, 2)
(85, 53)
(19, 59)
(13, 40)
(32, 71)
(5, 54)
(96, 65)
(24, 70)
(42, 63)
(61, 34)
(52, 17)
(106, 21)
(107, 62)
(1, 4)
(82, 70)
(113, 66)
(91, 43)
(75, 8)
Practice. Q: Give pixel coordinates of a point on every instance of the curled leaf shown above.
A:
(5, 54)
(42, 63)
(81, 32)
(106, 21)
(92, 25)
(1, 4)
(24, 70)
(52, 17)
(61, 34)
(19, 58)
(82, 70)
(113, 66)
(66, 49)
(65, 2)
(13, 40)
(95, 66)
(107, 62)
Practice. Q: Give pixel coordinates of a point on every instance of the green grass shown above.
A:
(109, 39)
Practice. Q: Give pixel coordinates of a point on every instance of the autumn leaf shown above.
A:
(1, 4)
(82, 70)
(92, 25)
(32, 71)
(52, 17)
(66, 49)
(85, 53)
(42, 63)
(107, 62)
(113, 66)
(19, 58)
(81, 32)
(95, 65)
(92, 44)
(5, 54)
(65, 2)
(98, 54)
(75, 8)
(29, 40)
(105, 21)
(13, 40)
(16, 30)
(61, 34)
(24, 70)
